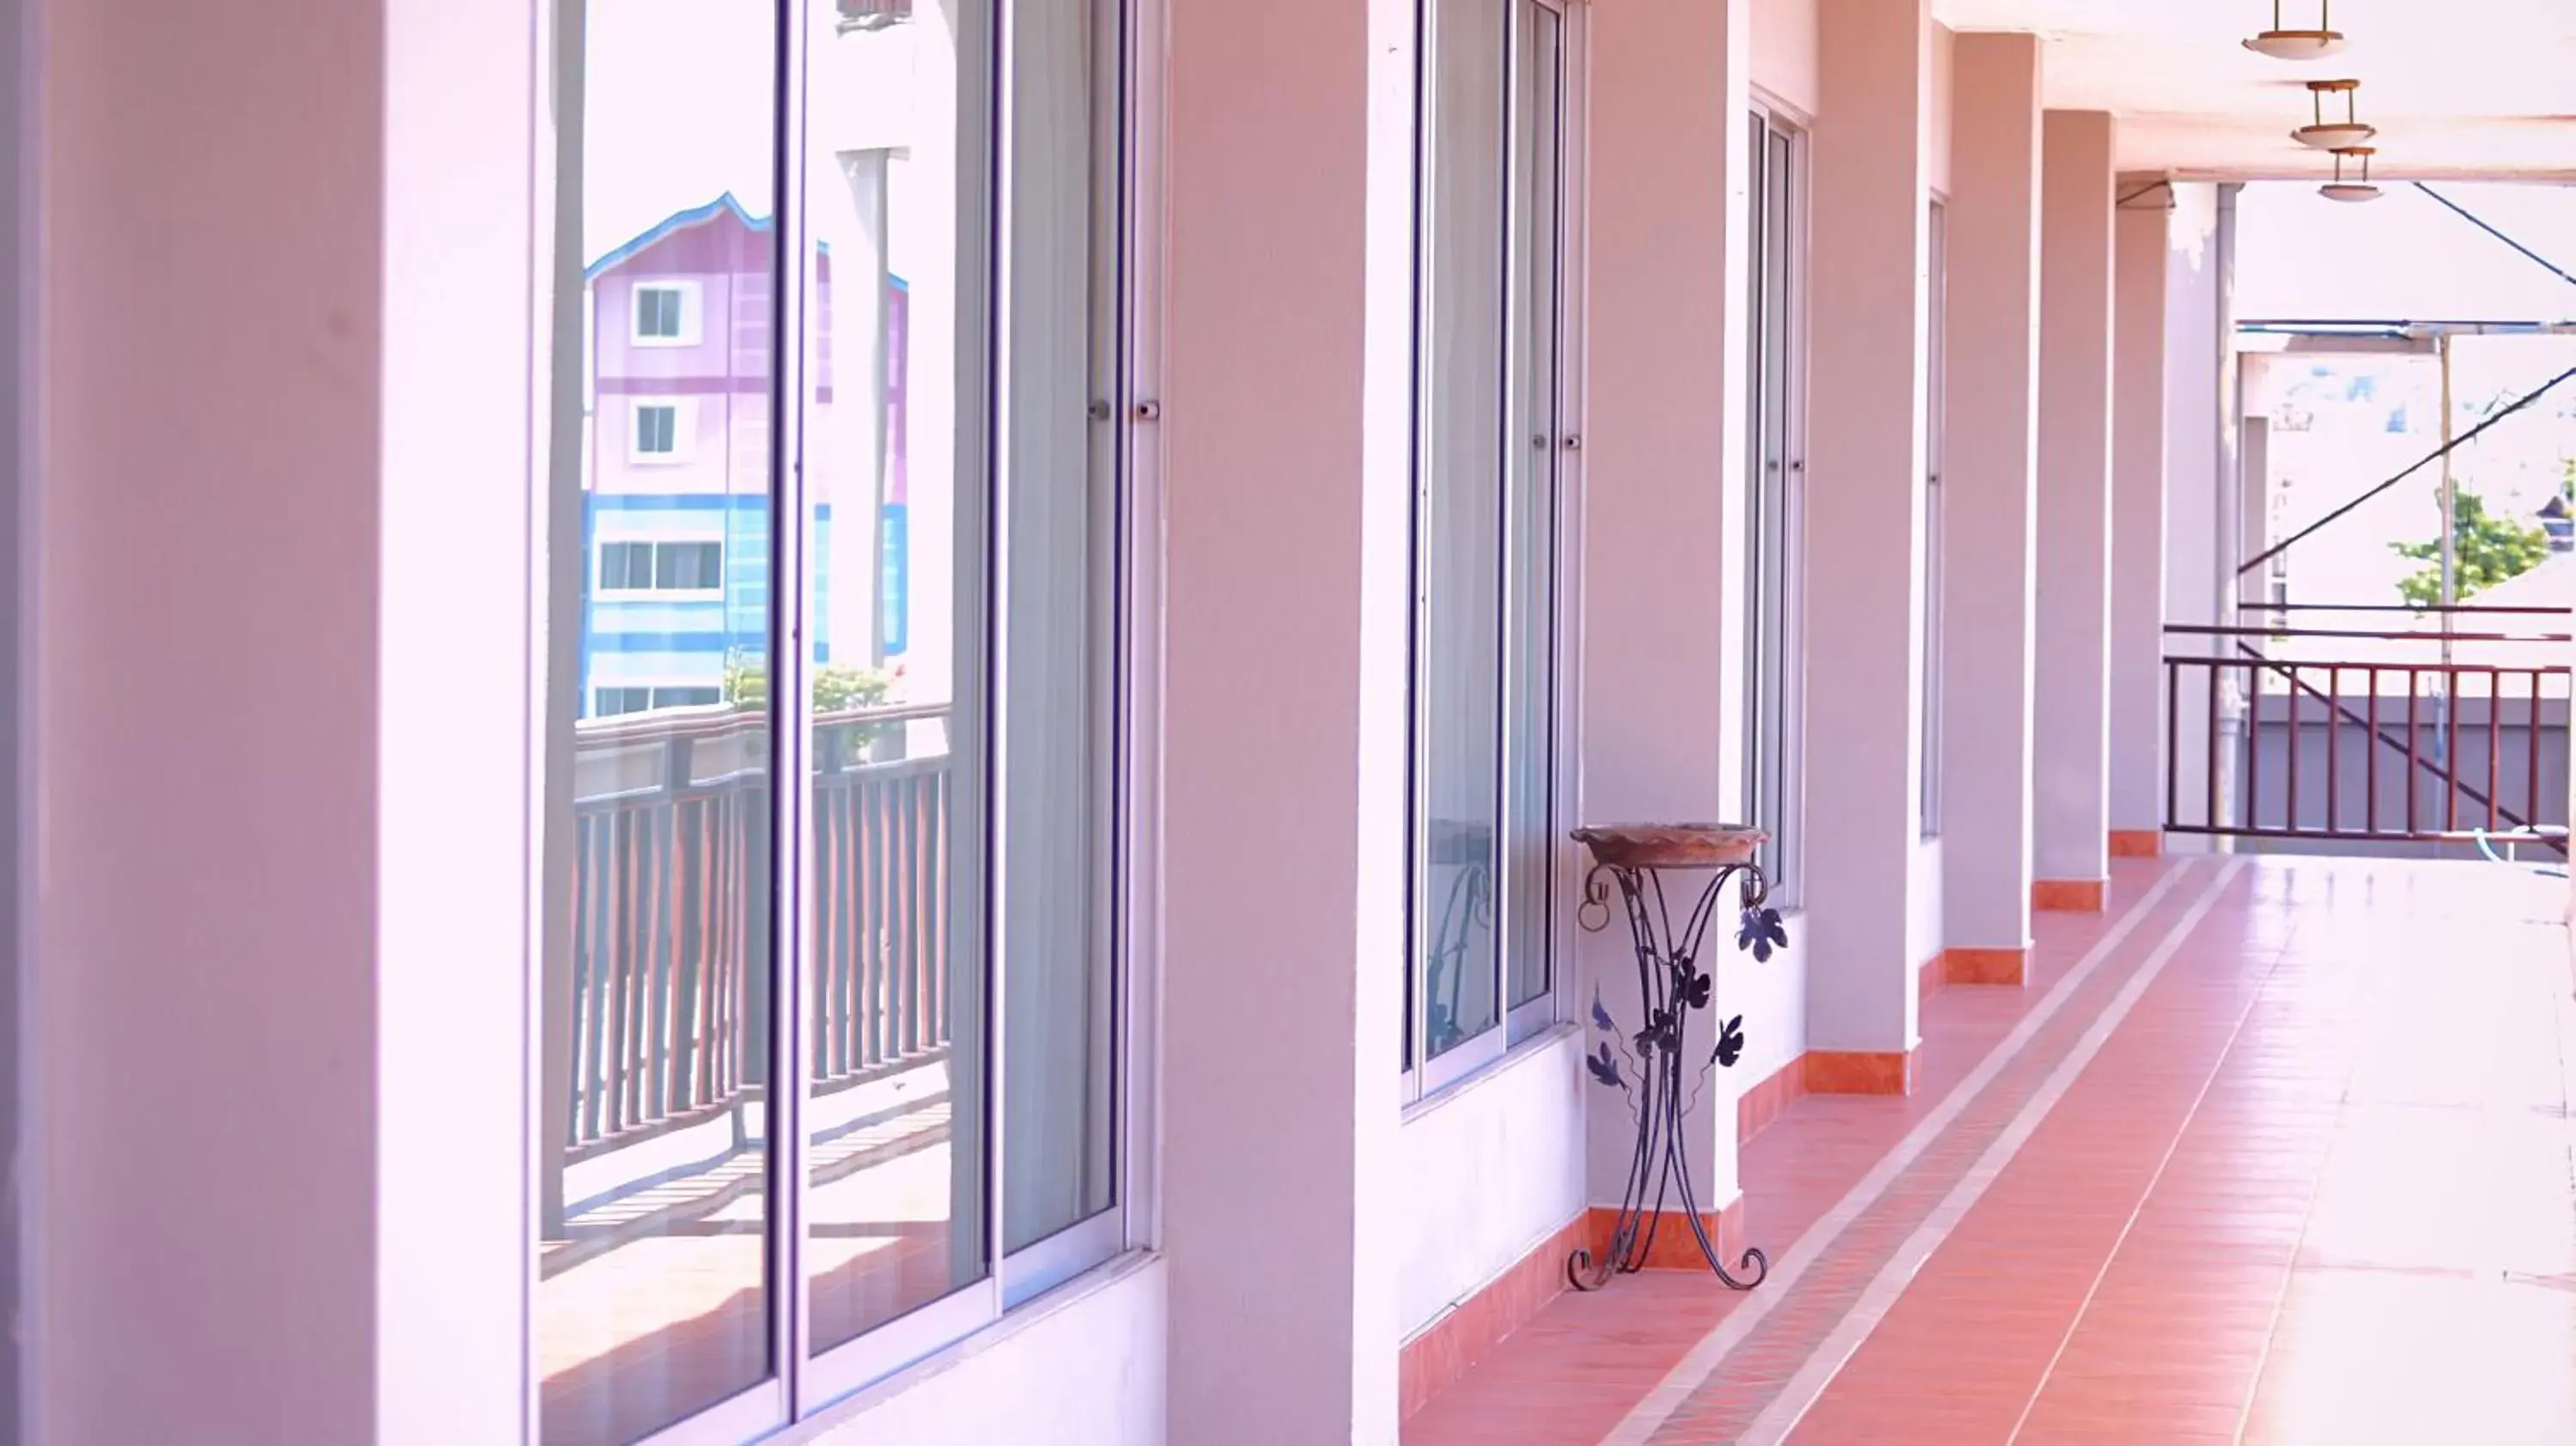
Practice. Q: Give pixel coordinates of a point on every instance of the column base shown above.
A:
(1761, 1104)
(2070, 896)
(1859, 1072)
(2137, 843)
(1986, 966)
(1674, 1247)
(1441, 1353)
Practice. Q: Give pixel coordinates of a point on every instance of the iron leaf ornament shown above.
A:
(1759, 932)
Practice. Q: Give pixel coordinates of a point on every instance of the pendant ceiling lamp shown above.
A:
(2281, 44)
(2328, 135)
(2340, 189)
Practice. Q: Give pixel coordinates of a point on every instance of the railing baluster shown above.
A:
(2450, 751)
(2531, 812)
(2495, 744)
(2254, 744)
(2370, 761)
(2291, 819)
(2414, 762)
(2334, 749)
(2173, 742)
(2209, 760)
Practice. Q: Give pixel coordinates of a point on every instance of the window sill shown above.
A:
(1510, 1059)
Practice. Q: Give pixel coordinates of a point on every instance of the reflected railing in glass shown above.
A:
(661, 1038)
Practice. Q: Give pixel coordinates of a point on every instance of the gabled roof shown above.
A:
(676, 222)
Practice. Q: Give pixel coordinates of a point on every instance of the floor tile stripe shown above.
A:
(1841, 1244)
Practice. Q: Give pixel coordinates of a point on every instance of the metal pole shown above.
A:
(2450, 567)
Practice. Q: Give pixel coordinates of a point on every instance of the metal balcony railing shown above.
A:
(2446, 733)
(672, 823)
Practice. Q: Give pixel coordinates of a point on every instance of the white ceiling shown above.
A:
(2456, 87)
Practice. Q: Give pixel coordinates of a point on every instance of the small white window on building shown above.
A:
(667, 313)
(664, 430)
(690, 566)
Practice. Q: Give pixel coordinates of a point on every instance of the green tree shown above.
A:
(2486, 551)
(838, 687)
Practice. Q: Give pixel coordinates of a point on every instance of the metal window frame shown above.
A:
(1786, 752)
(1935, 564)
(1127, 40)
(1424, 1076)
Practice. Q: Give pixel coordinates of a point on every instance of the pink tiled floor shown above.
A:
(2317, 1185)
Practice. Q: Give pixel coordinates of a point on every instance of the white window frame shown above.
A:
(1126, 138)
(651, 686)
(605, 593)
(1424, 1077)
(1935, 564)
(1787, 851)
(684, 430)
(812, 1390)
(693, 310)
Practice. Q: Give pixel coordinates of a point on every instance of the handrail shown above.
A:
(715, 720)
(2373, 635)
(2469, 727)
(2439, 608)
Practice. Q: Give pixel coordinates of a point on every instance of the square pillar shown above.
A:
(1286, 532)
(2140, 433)
(1864, 523)
(1662, 616)
(1990, 489)
(2199, 567)
(285, 888)
(2071, 756)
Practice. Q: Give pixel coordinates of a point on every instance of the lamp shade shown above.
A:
(2334, 135)
(2297, 44)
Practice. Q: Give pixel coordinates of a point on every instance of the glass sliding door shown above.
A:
(893, 422)
(840, 495)
(1775, 478)
(657, 1222)
(1530, 500)
(1460, 513)
(1489, 466)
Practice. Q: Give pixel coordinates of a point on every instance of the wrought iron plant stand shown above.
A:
(1651, 1066)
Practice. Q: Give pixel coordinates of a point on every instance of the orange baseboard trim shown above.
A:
(2070, 896)
(2137, 843)
(1442, 1354)
(1858, 1072)
(1930, 975)
(1674, 1247)
(1985, 966)
(1759, 1106)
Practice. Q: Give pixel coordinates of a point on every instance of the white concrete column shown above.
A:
(276, 1172)
(2071, 767)
(1990, 490)
(2196, 565)
(2139, 438)
(1283, 695)
(1864, 517)
(1663, 477)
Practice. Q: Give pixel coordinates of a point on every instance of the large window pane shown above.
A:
(652, 1300)
(1531, 570)
(1771, 495)
(1056, 634)
(1460, 522)
(897, 1207)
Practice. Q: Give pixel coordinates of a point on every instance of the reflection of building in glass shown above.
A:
(676, 506)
